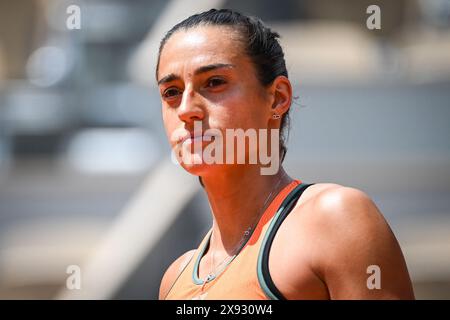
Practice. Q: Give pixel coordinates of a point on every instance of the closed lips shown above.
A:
(197, 137)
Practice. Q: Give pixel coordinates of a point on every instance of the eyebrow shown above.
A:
(172, 76)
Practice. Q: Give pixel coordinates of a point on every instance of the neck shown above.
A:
(236, 198)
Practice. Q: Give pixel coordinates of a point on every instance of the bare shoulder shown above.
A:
(357, 240)
(173, 271)
(339, 246)
(347, 211)
(338, 201)
(334, 204)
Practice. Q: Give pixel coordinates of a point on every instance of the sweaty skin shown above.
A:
(333, 235)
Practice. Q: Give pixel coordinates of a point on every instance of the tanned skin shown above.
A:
(334, 233)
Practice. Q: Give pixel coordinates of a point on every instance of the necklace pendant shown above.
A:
(207, 278)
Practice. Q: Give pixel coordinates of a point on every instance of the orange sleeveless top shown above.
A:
(247, 276)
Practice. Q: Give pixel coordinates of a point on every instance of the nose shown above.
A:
(190, 108)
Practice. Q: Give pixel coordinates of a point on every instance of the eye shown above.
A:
(214, 82)
(171, 92)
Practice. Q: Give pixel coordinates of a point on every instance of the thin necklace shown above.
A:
(215, 270)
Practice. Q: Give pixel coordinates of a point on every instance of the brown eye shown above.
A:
(215, 82)
(171, 92)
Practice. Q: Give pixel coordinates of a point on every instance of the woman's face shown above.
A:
(205, 76)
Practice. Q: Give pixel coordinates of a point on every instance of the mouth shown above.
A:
(192, 138)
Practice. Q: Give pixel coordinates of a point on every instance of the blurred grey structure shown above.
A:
(81, 133)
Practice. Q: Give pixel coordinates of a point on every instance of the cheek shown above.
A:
(243, 109)
(169, 122)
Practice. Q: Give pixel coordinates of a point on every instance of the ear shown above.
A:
(282, 96)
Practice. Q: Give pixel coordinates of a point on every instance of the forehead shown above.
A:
(188, 49)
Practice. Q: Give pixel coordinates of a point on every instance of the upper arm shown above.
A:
(358, 250)
(173, 272)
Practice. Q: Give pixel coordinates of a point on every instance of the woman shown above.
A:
(272, 236)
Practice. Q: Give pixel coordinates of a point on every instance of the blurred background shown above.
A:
(85, 173)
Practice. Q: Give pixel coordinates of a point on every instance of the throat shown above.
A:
(235, 217)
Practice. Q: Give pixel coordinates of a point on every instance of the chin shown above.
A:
(197, 169)
(203, 169)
